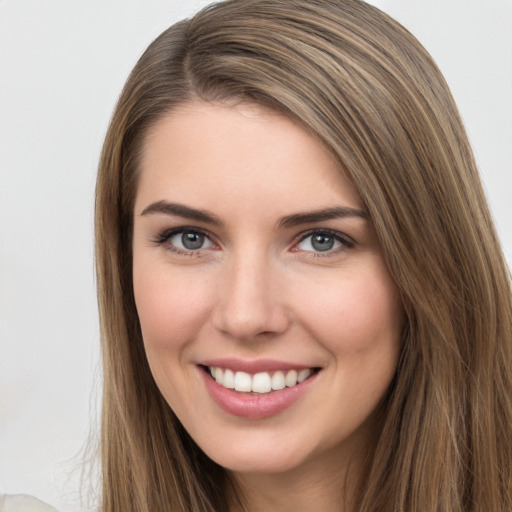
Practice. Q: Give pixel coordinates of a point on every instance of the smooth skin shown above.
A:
(232, 269)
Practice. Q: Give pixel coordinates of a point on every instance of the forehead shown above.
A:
(203, 152)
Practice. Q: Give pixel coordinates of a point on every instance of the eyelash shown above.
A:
(163, 239)
(345, 241)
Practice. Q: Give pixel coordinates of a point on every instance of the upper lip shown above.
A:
(254, 366)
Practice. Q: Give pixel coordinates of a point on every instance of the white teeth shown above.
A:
(242, 381)
(217, 375)
(229, 379)
(278, 381)
(262, 382)
(303, 375)
(291, 378)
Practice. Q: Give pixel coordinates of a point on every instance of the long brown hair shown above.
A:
(368, 90)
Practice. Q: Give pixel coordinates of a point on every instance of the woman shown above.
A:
(302, 296)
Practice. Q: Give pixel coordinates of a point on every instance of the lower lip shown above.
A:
(255, 406)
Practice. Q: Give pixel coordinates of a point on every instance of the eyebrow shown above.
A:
(336, 212)
(296, 219)
(181, 210)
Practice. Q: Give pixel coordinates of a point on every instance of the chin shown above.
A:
(256, 464)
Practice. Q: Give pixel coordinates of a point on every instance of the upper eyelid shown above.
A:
(331, 232)
(182, 229)
(166, 234)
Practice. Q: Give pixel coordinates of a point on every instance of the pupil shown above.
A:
(192, 240)
(322, 242)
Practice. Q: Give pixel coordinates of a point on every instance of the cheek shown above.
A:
(170, 307)
(171, 310)
(362, 314)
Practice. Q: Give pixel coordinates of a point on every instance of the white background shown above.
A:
(62, 66)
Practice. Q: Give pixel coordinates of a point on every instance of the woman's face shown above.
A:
(254, 260)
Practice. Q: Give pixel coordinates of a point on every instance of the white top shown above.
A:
(23, 503)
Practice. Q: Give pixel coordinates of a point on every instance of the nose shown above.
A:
(250, 304)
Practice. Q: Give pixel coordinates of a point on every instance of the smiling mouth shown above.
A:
(259, 383)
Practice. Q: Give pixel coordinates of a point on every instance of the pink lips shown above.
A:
(254, 406)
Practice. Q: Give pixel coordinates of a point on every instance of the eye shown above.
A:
(323, 242)
(190, 240)
(184, 240)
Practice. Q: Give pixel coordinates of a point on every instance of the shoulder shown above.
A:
(23, 503)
